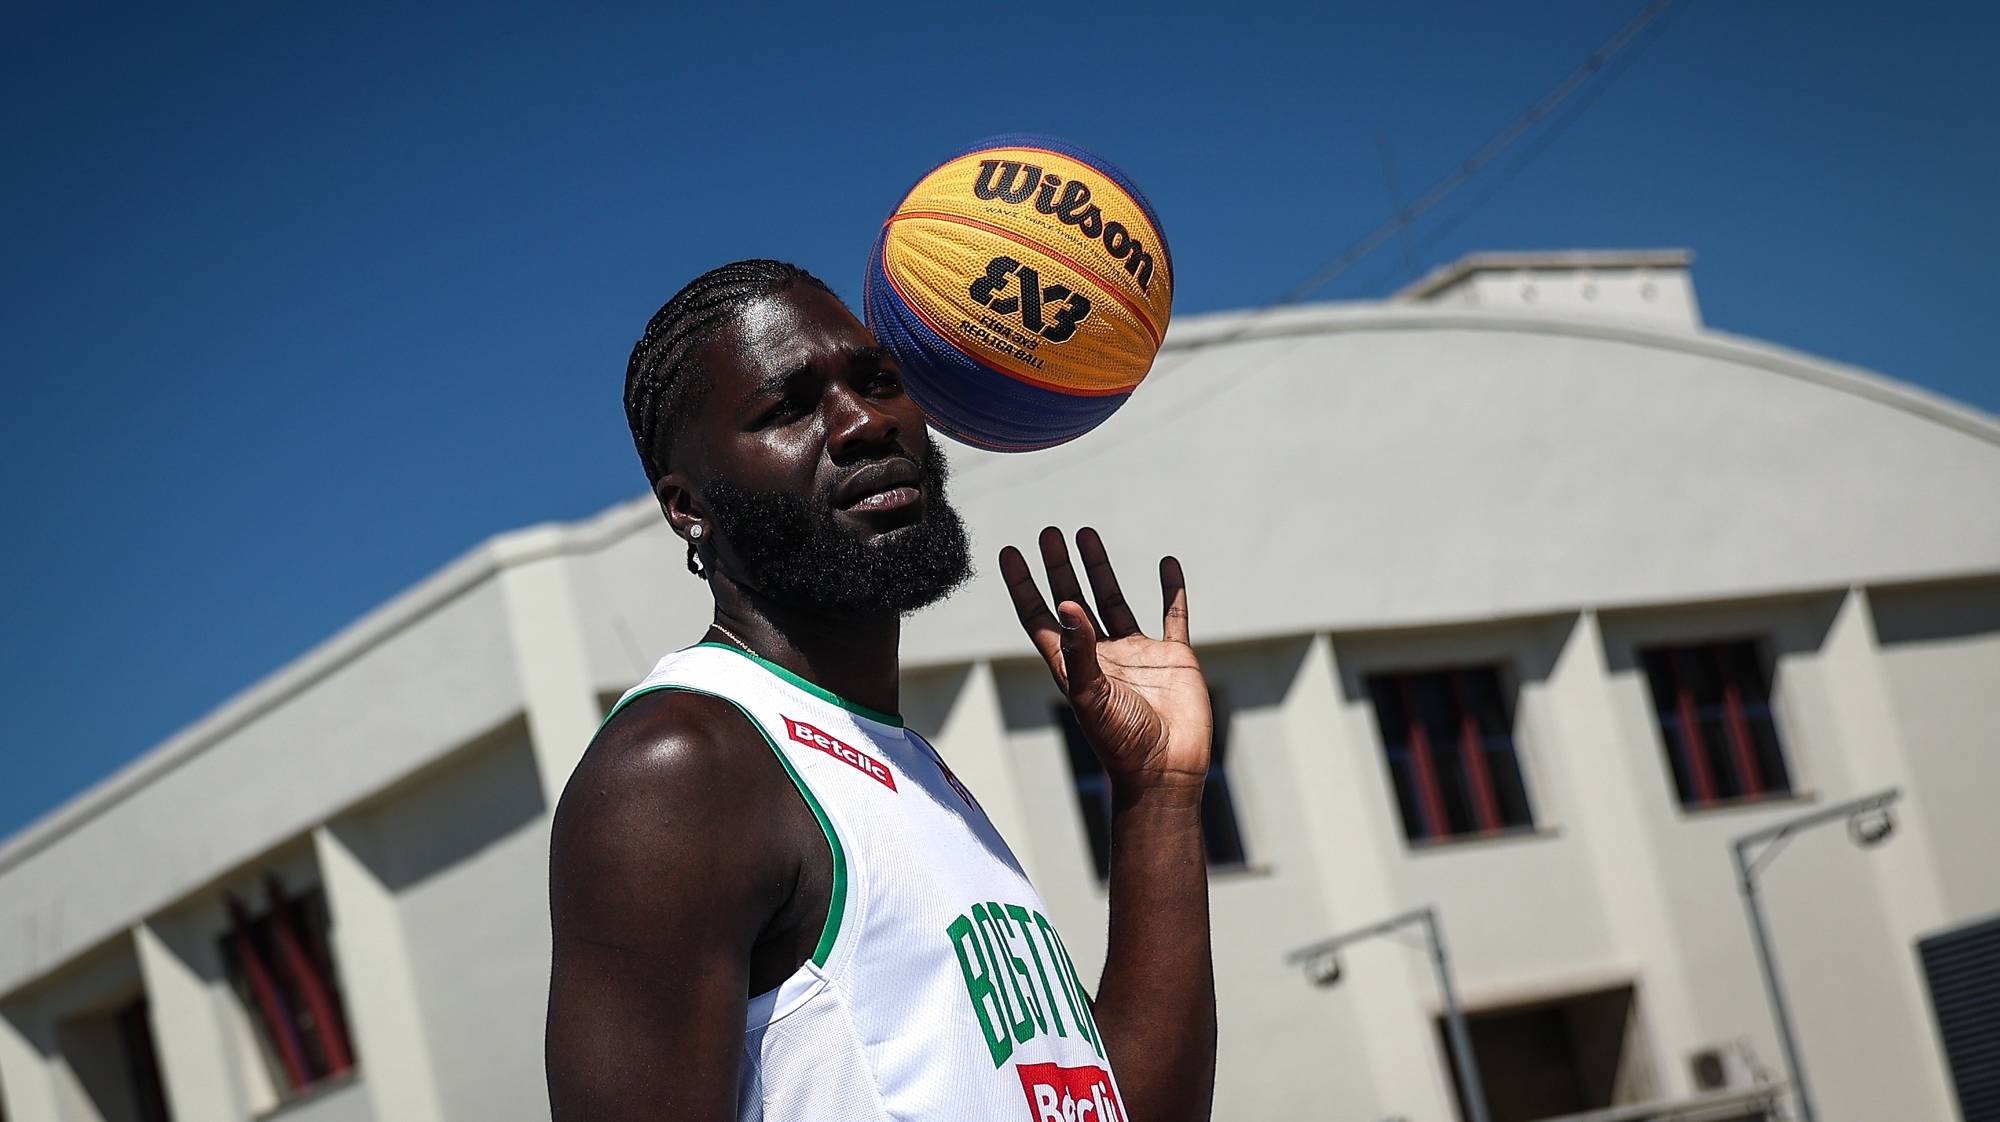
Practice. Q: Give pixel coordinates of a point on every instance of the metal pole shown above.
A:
(1769, 840)
(1461, 1043)
(1746, 880)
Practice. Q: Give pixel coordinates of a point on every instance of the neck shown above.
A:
(852, 656)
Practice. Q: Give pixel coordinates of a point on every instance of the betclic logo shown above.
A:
(1070, 1094)
(846, 753)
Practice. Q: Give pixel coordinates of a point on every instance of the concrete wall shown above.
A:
(60, 1053)
(1941, 651)
(463, 852)
(1434, 465)
(1352, 490)
(282, 766)
(1828, 904)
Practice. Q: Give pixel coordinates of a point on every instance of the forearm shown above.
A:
(1156, 1002)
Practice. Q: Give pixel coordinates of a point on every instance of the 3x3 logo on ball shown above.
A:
(1051, 311)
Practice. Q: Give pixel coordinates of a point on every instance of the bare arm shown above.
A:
(1156, 1001)
(663, 872)
(1143, 705)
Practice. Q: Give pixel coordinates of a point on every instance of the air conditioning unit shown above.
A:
(1710, 1068)
(1721, 1067)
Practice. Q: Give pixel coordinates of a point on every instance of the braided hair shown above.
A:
(663, 385)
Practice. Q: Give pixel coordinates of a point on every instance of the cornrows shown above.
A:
(660, 395)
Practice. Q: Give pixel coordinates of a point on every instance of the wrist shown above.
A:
(1154, 792)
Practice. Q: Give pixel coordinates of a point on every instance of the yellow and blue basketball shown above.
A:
(1024, 285)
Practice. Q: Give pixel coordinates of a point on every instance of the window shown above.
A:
(1220, 836)
(282, 970)
(142, 1063)
(1960, 966)
(1714, 707)
(1564, 1057)
(1450, 743)
(112, 1067)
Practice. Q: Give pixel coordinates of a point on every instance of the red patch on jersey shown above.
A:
(1070, 1094)
(840, 750)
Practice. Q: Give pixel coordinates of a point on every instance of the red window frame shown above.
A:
(1712, 705)
(282, 968)
(1448, 739)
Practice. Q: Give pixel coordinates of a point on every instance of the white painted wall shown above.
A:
(1941, 649)
(258, 774)
(1352, 489)
(1433, 466)
(463, 851)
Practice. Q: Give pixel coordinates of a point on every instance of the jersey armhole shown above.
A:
(836, 903)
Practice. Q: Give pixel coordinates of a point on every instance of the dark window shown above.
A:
(1220, 836)
(281, 966)
(1714, 707)
(1449, 736)
(1565, 1057)
(142, 1063)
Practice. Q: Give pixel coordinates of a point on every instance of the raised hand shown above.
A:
(1142, 702)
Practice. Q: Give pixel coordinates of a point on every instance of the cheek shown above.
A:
(785, 459)
(912, 425)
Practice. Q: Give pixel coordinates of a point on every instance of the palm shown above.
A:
(1141, 702)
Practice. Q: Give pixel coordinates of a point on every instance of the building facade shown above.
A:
(1521, 595)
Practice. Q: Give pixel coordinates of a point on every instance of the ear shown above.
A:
(678, 502)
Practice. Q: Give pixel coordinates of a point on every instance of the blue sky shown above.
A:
(302, 302)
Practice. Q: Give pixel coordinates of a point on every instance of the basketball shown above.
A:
(1023, 285)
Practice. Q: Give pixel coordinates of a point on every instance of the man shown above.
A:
(770, 899)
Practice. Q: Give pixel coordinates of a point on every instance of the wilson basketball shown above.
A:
(1023, 285)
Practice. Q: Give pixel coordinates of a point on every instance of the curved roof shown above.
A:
(1340, 467)
(1205, 332)
(1392, 464)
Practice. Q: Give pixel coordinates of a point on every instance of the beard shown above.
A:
(793, 551)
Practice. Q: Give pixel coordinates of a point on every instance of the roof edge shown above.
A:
(405, 610)
(1447, 275)
(1217, 329)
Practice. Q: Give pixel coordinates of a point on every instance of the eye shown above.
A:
(884, 382)
(786, 410)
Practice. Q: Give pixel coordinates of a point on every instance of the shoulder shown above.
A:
(675, 781)
(659, 743)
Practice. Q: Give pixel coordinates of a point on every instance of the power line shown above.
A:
(1485, 154)
(1480, 158)
(1543, 142)
(1405, 216)
(1395, 185)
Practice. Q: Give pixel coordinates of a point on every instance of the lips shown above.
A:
(879, 486)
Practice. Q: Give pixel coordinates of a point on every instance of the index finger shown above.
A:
(1044, 631)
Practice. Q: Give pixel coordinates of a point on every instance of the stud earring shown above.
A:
(694, 531)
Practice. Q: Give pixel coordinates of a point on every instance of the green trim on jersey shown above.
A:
(836, 904)
(820, 692)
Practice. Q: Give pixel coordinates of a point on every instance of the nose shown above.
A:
(858, 427)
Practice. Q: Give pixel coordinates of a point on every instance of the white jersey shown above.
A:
(939, 989)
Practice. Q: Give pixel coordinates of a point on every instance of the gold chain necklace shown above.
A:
(732, 637)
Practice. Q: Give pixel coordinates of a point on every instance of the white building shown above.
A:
(1531, 499)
